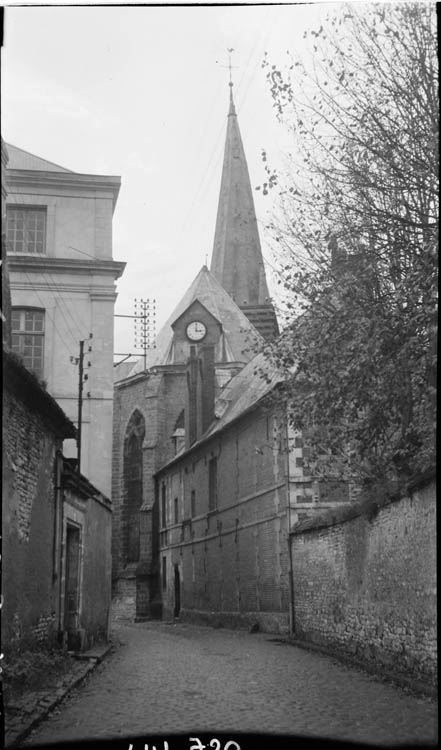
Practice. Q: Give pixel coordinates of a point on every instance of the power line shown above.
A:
(55, 291)
(51, 318)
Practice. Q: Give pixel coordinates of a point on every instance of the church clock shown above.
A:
(196, 330)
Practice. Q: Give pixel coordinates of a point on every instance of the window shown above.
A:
(163, 506)
(176, 510)
(28, 337)
(72, 579)
(212, 484)
(164, 572)
(26, 229)
(133, 476)
(193, 503)
(133, 488)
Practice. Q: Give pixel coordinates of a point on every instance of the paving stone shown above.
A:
(191, 679)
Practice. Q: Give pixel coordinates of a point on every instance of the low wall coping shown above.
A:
(368, 507)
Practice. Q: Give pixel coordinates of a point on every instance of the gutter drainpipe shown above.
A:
(58, 530)
(292, 622)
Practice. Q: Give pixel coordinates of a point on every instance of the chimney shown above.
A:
(208, 385)
(191, 412)
(200, 392)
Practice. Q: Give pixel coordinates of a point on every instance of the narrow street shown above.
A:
(169, 678)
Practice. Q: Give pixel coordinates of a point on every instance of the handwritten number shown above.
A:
(199, 745)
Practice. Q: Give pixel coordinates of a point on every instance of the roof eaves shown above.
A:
(26, 385)
(213, 431)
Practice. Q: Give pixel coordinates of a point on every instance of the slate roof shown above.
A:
(237, 260)
(239, 334)
(122, 370)
(241, 394)
(256, 380)
(26, 385)
(21, 159)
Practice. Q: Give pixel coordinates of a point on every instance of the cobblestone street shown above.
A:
(168, 678)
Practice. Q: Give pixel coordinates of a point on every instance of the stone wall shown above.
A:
(28, 522)
(365, 583)
(159, 398)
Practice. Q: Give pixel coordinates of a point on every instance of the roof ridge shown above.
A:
(35, 156)
(210, 293)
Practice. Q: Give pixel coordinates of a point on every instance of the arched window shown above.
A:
(132, 486)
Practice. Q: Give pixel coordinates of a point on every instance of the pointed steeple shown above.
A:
(237, 261)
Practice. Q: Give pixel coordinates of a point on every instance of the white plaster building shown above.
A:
(62, 278)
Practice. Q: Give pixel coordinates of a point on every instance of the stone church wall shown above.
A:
(365, 586)
(158, 397)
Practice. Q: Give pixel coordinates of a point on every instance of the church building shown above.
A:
(205, 470)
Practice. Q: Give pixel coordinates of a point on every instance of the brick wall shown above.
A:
(366, 586)
(28, 522)
(233, 561)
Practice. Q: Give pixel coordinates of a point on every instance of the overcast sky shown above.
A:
(142, 93)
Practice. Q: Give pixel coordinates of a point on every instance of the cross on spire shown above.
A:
(230, 50)
(230, 68)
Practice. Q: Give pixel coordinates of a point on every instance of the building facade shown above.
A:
(56, 526)
(62, 279)
(223, 510)
(228, 501)
(151, 423)
(207, 479)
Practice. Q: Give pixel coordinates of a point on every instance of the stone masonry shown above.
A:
(365, 584)
(158, 398)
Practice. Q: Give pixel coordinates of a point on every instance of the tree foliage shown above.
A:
(356, 233)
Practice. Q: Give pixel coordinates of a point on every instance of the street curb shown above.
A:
(418, 687)
(42, 712)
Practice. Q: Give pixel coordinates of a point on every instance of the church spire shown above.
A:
(237, 261)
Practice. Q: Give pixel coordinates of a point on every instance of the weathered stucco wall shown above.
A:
(97, 570)
(366, 586)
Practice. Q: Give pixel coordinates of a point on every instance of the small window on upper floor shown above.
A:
(26, 229)
(212, 484)
(28, 337)
(176, 506)
(163, 506)
(193, 503)
(164, 572)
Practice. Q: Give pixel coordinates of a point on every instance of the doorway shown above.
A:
(177, 608)
(72, 581)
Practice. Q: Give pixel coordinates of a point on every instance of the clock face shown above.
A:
(196, 330)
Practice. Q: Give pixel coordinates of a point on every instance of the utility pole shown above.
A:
(81, 378)
(144, 327)
(80, 404)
